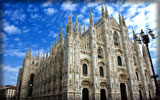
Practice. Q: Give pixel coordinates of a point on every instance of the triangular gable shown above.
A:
(114, 22)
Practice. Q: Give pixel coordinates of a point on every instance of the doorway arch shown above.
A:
(30, 90)
(123, 91)
(140, 95)
(150, 97)
(103, 94)
(85, 94)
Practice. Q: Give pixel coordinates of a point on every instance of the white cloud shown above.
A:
(16, 39)
(44, 41)
(83, 10)
(52, 34)
(31, 8)
(80, 16)
(47, 3)
(35, 52)
(50, 11)
(14, 52)
(11, 29)
(92, 4)
(131, 11)
(109, 8)
(68, 5)
(86, 21)
(140, 21)
(145, 17)
(10, 74)
(115, 15)
(11, 69)
(34, 16)
(15, 14)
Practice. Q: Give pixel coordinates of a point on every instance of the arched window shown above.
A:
(137, 76)
(84, 69)
(100, 52)
(150, 97)
(140, 95)
(123, 91)
(116, 39)
(119, 61)
(101, 71)
(135, 61)
(31, 84)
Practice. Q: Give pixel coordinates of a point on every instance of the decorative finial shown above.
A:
(76, 26)
(91, 19)
(102, 12)
(106, 13)
(61, 36)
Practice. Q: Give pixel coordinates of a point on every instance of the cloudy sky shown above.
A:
(35, 25)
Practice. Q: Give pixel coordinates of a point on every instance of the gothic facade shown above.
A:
(100, 63)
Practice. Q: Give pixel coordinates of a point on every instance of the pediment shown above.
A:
(114, 22)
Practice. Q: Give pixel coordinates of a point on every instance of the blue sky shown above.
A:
(35, 25)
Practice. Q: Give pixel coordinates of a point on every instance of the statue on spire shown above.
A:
(71, 24)
(124, 23)
(55, 43)
(102, 10)
(30, 53)
(47, 54)
(106, 13)
(76, 26)
(134, 35)
(38, 57)
(27, 53)
(61, 36)
(120, 19)
(67, 27)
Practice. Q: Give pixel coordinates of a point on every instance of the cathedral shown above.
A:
(100, 63)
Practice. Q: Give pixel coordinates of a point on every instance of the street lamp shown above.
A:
(145, 39)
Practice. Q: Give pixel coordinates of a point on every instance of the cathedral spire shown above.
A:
(27, 53)
(71, 24)
(124, 23)
(51, 44)
(120, 19)
(51, 48)
(60, 36)
(102, 10)
(55, 43)
(38, 57)
(91, 19)
(30, 53)
(76, 26)
(134, 35)
(80, 29)
(106, 13)
(67, 27)
(47, 54)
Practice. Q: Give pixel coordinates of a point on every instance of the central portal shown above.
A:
(103, 94)
(123, 91)
(85, 94)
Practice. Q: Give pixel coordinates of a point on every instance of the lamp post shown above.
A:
(145, 39)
